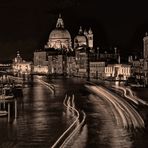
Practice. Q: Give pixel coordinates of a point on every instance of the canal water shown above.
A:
(41, 119)
(140, 139)
(103, 132)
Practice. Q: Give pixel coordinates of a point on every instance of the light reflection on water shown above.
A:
(81, 139)
(109, 133)
(40, 121)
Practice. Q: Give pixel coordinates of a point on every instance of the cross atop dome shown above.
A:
(60, 23)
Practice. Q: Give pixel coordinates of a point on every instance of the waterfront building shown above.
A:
(40, 58)
(71, 66)
(97, 69)
(83, 39)
(53, 58)
(40, 69)
(20, 66)
(5, 67)
(55, 64)
(59, 57)
(81, 57)
(83, 44)
(117, 71)
(145, 56)
(137, 66)
(40, 62)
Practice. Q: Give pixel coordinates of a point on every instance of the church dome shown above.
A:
(80, 39)
(59, 34)
(59, 38)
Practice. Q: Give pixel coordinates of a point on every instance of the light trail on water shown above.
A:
(125, 113)
(76, 125)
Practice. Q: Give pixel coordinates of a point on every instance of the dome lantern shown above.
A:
(80, 30)
(60, 23)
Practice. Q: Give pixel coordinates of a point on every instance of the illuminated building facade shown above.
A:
(145, 56)
(82, 60)
(40, 58)
(58, 57)
(137, 68)
(97, 69)
(5, 67)
(117, 71)
(20, 66)
(55, 64)
(40, 62)
(71, 66)
(81, 63)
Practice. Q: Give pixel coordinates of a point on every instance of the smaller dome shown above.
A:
(80, 39)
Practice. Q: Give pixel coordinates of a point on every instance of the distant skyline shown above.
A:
(25, 26)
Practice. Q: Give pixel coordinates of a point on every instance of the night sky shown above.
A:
(25, 24)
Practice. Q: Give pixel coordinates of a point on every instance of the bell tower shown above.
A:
(90, 38)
